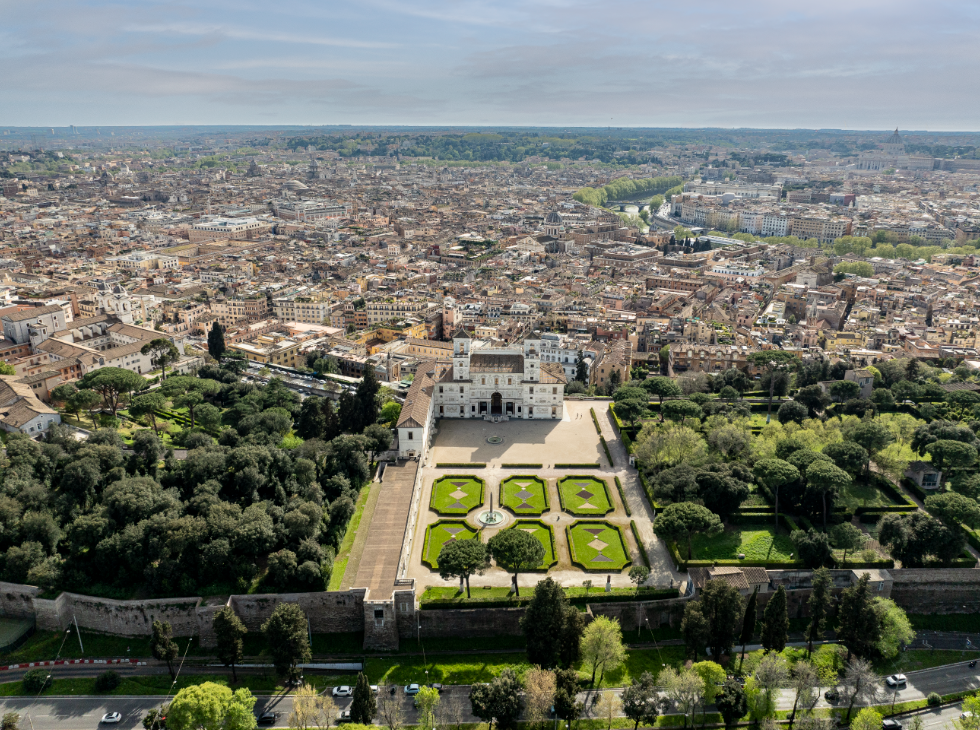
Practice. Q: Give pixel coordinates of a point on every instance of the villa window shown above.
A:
(408, 437)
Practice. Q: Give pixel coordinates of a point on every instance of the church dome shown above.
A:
(553, 218)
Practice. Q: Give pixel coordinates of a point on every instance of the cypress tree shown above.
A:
(820, 604)
(331, 422)
(216, 342)
(775, 622)
(367, 400)
(363, 706)
(748, 622)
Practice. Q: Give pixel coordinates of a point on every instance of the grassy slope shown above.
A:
(756, 541)
(343, 555)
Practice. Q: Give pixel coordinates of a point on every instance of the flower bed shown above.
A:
(597, 546)
(524, 495)
(584, 495)
(456, 494)
(439, 533)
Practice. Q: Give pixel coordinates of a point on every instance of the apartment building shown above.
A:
(301, 309)
(385, 311)
(776, 224)
(231, 311)
(273, 348)
(227, 228)
(825, 230)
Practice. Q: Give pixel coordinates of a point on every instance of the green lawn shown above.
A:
(546, 537)
(456, 494)
(584, 495)
(159, 684)
(757, 542)
(343, 555)
(524, 495)
(598, 545)
(864, 495)
(441, 532)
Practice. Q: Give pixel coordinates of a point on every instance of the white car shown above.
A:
(111, 718)
(412, 689)
(895, 680)
(343, 716)
(966, 715)
(343, 691)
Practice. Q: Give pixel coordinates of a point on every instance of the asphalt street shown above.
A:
(84, 713)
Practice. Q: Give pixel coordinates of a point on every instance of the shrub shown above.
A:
(107, 681)
(35, 680)
(934, 700)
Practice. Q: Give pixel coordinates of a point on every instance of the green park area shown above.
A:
(456, 494)
(598, 546)
(439, 533)
(545, 536)
(584, 495)
(755, 542)
(524, 495)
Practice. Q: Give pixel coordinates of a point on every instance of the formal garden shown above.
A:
(457, 494)
(439, 533)
(598, 546)
(826, 479)
(584, 495)
(545, 535)
(524, 495)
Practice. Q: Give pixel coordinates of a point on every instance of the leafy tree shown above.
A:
(286, 638)
(867, 719)
(112, 383)
(682, 520)
(858, 627)
(312, 709)
(812, 546)
(638, 574)
(769, 677)
(972, 722)
(83, 401)
(641, 702)
(846, 537)
(694, 628)
(211, 706)
(216, 341)
(35, 680)
(775, 622)
(844, 390)
(517, 552)
(228, 633)
(792, 411)
(363, 707)
(896, 629)
(552, 628)
(662, 387)
(426, 702)
(461, 559)
(190, 401)
(499, 701)
(805, 681)
(749, 619)
(774, 474)
(390, 412)
(602, 646)
(10, 721)
(731, 703)
(147, 405)
(722, 607)
(660, 447)
(947, 454)
(954, 509)
(813, 397)
(367, 399)
(63, 392)
(826, 479)
(680, 410)
(208, 416)
(820, 603)
(772, 362)
(311, 422)
(873, 436)
(566, 690)
(162, 645)
(915, 536)
(847, 455)
(378, 438)
(685, 689)
(162, 352)
(629, 392)
(883, 398)
(631, 410)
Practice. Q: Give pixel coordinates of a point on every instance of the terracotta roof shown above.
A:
(553, 372)
(26, 314)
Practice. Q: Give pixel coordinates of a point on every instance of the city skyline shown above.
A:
(865, 65)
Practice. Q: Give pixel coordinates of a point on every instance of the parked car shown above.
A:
(412, 689)
(437, 687)
(344, 690)
(895, 680)
(111, 718)
(832, 695)
(343, 716)
(890, 724)
(268, 718)
(374, 688)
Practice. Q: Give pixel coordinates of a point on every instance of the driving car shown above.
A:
(890, 724)
(268, 718)
(412, 689)
(343, 690)
(111, 718)
(895, 680)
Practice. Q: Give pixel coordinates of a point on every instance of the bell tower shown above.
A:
(461, 354)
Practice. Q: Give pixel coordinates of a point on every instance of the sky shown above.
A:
(849, 64)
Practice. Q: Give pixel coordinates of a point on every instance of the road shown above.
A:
(84, 713)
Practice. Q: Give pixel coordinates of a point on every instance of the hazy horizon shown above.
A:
(861, 65)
